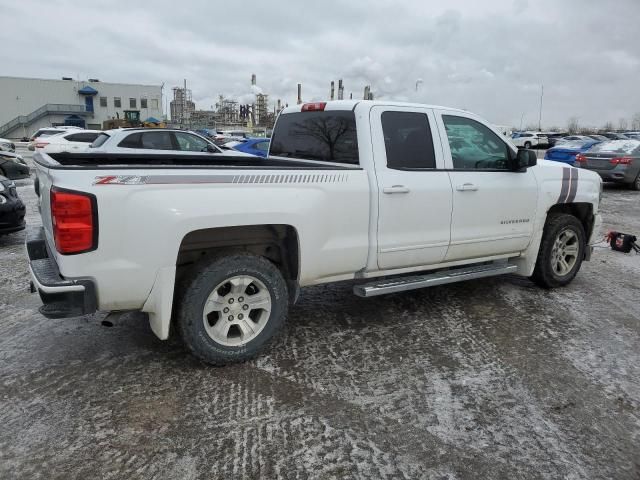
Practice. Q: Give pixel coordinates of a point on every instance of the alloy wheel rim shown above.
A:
(564, 254)
(237, 310)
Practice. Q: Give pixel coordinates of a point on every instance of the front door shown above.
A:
(493, 206)
(414, 197)
(88, 102)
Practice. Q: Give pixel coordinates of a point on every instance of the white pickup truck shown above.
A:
(394, 196)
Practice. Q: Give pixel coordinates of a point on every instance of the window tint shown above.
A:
(132, 141)
(102, 137)
(264, 146)
(190, 143)
(82, 137)
(117, 102)
(475, 146)
(326, 136)
(407, 140)
(157, 140)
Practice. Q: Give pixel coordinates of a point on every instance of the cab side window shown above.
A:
(190, 143)
(474, 146)
(408, 141)
(157, 141)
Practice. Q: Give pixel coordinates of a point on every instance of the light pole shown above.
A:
(540, 117)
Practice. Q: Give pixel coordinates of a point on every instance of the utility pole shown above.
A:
(540, 117)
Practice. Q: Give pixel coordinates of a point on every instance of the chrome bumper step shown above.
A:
(401, 284)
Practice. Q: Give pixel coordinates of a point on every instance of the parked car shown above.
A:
(47, 132)
(615, 136)
(351, 190)
(600, 138)
(552, 138)
(252, 146)
(529, 140)
(7, 145)
(566, 152)
(12, 210)
(156, 140)
(572, 138)
(73, 141)
(634, 135)
(13, 166)
(615, 161)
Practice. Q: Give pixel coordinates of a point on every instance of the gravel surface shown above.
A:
(485, 379)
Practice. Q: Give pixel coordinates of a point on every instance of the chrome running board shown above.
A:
(402, 284)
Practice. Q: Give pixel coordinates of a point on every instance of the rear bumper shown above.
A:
(619, 174)
(12, 215)
(61, 297)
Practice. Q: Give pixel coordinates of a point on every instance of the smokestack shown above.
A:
(253, 79)
(340, 90)
(333, 87)
(366, 92)
(299, 93)
(351, 96)
(279, 104)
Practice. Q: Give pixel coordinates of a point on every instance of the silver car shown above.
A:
(156, 140)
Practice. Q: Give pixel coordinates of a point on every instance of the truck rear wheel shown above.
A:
(231, 308)
(561, 251)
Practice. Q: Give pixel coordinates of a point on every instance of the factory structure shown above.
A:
(32, 103)
(232, 114)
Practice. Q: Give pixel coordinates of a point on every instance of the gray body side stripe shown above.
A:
(234, 179)
(573, 189)
(564, 188)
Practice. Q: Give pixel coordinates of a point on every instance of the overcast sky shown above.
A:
(489, 56)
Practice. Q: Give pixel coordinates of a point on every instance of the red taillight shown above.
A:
(581, 158)
(73, 215)
(314, 107)
(621, 161)
(41, 144)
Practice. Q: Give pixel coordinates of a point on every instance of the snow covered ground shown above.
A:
(486, 379)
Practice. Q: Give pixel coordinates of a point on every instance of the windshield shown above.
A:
(617, 146)
(576, 144)
(328, 136)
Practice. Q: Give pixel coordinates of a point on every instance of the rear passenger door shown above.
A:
(414, 197)
(494, 206)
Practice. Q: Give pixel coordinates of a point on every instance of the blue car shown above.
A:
(254, 146)
(566, 152)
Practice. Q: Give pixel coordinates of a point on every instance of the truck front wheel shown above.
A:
(561, 251)
(231, 308)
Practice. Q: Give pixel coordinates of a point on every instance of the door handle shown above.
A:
(395, 189)
(467, 187)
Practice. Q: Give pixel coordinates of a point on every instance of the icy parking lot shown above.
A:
(485, 379)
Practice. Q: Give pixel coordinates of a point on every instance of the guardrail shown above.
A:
(40, 112)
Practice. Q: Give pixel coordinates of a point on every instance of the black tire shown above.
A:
(544, 274)
(636, 183)
(527, 145)
(195, 291)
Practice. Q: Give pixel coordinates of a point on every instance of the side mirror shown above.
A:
(525, 159)
(211, 148)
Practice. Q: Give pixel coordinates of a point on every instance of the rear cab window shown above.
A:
(327, 136)
(408, 141)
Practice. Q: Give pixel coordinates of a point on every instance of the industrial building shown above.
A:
(32, 103)
(182, 106)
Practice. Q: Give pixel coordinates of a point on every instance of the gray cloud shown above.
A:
(489, 57)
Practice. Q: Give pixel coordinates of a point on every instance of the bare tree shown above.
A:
(608, 126)
(573, 125)
(622, 124)
(636, 121)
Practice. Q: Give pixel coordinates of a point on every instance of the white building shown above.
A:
(27, 104)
